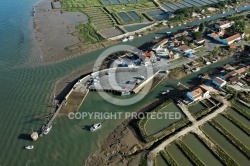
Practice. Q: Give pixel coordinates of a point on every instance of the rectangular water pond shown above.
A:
(186, 4)
(241, 105)
(196, 107)
(208, 103)
(155, 12)
(115, 1)
(234, 130)
(204, 154)
(125, 17)
(207, 1)
(178, 155)
(167, 8)
(124, 1)
(155, 125)
(229, 148)
(131, 28)
(134, 15)
(238, 116)
(159, 161)
(106, 2)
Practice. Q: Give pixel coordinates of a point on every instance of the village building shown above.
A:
(217, 81)
(198, 93)
(160, 44)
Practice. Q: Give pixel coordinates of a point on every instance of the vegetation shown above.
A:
(143, 161)
(88, 34)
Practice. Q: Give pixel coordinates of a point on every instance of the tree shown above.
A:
(198, 35)
(202, 26)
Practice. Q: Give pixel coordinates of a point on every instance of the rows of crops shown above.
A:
(98, 18)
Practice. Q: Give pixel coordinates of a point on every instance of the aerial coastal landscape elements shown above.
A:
(133, 82)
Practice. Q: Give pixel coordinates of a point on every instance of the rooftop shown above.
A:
(219, 80)
(233, 37)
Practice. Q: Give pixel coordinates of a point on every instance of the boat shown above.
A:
(95, 126)
(125, 93)
(29, 147)
(125, 39)
(165, 92)
(130, 38)
(47, 129)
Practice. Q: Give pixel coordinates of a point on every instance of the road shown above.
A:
(193, 128)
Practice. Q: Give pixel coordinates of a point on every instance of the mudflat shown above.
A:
(54, 30)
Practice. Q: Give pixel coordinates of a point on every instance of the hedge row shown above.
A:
(231, 138)
(237, 123)
(221, 154)
(168, 158)
(189, 153)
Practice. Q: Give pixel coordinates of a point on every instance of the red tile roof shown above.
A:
(241, 70)
(218, 80)
(236, 36)
(148, 53)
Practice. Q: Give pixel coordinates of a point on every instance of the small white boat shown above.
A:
(95, 126)
(125, 93)
(130, 38)
(47, 129)
(163, 93)
(125, 40)
(29, 147)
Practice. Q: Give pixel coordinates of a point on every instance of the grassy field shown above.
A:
(88, 34)
(80, 3)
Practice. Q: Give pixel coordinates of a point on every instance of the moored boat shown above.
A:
(29, 147)
(95, 126)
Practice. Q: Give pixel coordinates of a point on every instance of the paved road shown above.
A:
(194, 128)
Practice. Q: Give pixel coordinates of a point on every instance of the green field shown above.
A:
(200, 150)
(225, 145)
(80, 3)
(234, 130)
(155, 125)
(178, 155)
(88, 34)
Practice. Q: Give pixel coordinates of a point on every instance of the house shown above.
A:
(184, 48)
(217, 81)
(198, 93)
(199, 41)
(148, 56)
(195, 29)
(223, 24)
(241, 71)
(227, 41)
(160, 44)
(184, 33)
(233, 38)
(233, 80)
